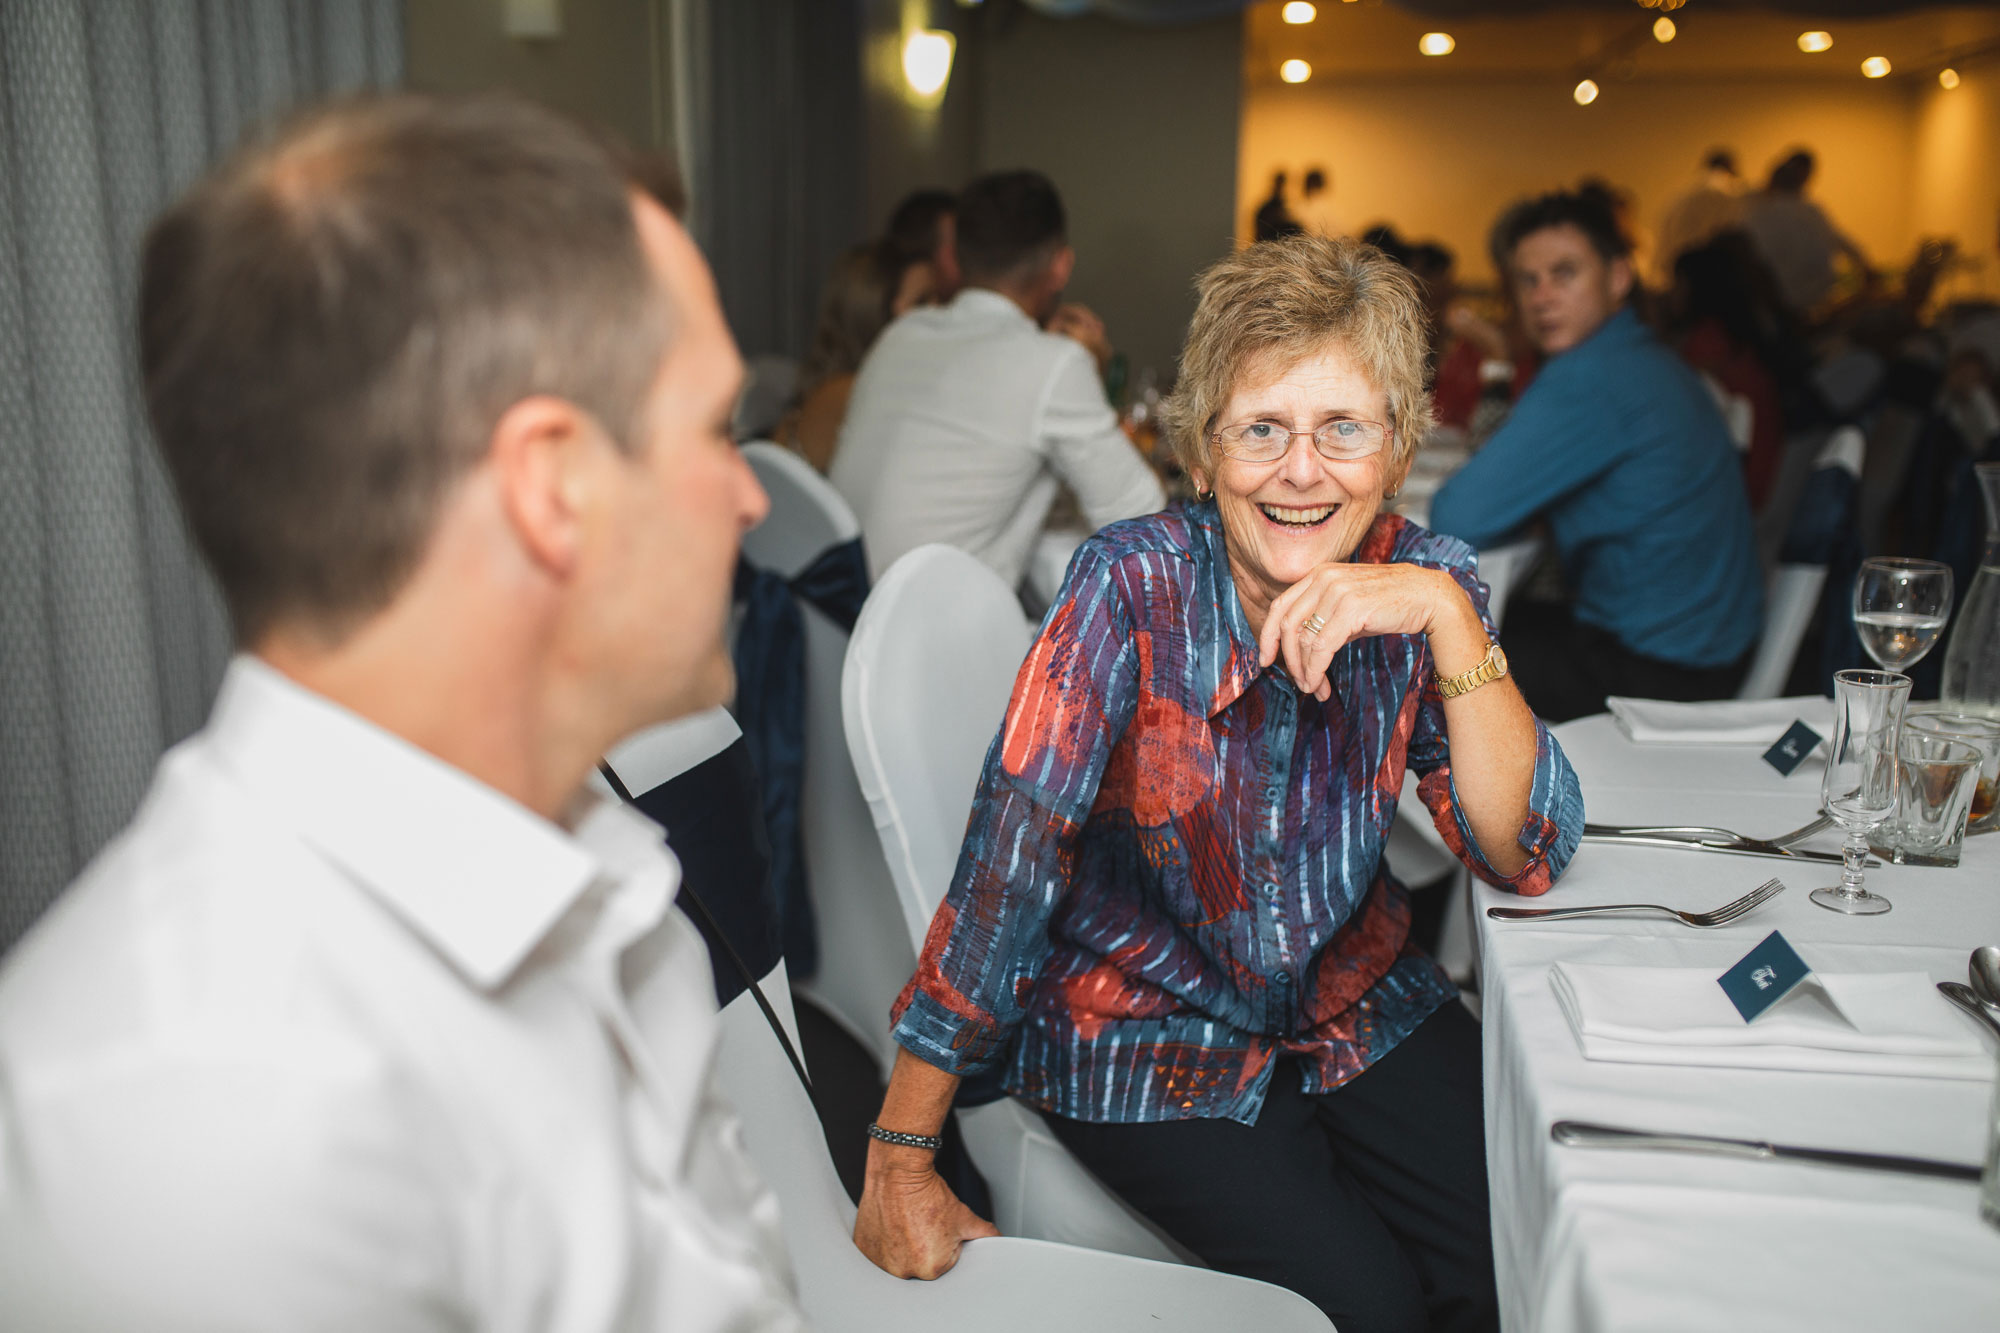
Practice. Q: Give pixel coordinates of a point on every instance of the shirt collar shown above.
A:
(480, 876)
(1622, 327)
(1239, 670)
(986, 301)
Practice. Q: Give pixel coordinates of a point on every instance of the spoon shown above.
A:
(1961, 995)
(1983, 970)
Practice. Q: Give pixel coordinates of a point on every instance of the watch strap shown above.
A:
(1491, 667)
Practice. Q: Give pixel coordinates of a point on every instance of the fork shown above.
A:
(1720, 916)
(1703, 832)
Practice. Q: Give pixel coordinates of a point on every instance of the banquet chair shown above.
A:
(1791, 596)
(1825, 532)
(865, 955)
(929, 671)
(1001, 1284)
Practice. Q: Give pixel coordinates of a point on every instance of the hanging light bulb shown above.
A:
(1436, 44)
(1586, 92)
(1812, 43)
(1875, 67)
(1298, 11)
(1295, 71)
(1664, 30)
(1947, 79)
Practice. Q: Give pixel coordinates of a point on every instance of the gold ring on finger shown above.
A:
(1313, 626)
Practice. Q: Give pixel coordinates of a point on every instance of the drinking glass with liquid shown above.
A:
(1900, 608)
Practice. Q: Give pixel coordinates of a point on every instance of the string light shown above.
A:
(1436, 44)
(1298, 11)
(1875, 67)
(1812, 43)
(1586, 93)
(1295, 71)
(1664, 30)
(1947, 79)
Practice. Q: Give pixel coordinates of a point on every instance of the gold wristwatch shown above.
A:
(1491, 667)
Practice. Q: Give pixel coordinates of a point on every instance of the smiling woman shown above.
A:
(1171, 929)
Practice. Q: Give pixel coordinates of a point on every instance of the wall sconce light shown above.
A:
(927, 56)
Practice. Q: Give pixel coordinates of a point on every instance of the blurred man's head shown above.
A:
(410, 349)
(1721, 160)
(1567, 264)
(1791, 175)
(1013, 238)
(923, 236)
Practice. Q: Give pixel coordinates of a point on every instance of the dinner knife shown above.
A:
(1748, 847)
(1578, 1134)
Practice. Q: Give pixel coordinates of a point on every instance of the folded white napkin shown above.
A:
(1885, 1023)
(1723, 722)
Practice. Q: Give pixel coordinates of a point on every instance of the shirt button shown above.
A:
(1282, 978)
(1273, 889)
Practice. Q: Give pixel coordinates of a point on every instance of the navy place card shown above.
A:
(1766, 975)
(1792, 748)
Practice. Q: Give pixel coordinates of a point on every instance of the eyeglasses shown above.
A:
(1266, 441)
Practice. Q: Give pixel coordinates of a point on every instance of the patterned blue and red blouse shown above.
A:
(1173, 873)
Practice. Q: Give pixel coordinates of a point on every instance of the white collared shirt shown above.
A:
(964, 422)
(333, 1036)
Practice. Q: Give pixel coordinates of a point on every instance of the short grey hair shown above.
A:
(1290, 298)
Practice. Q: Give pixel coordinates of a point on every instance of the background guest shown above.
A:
(1621, 448)
(1796, 237)
(967, 418)
(863, 293)
(1714, 205)
(923, 240)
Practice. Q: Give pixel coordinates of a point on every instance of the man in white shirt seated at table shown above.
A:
(373, 1018)
(968, 418)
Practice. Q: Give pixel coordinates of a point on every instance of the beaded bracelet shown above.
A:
(929, 1141)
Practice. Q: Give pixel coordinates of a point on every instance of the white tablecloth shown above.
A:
(1589, 1239)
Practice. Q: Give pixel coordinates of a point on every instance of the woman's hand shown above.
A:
(909, 1223)
(1354, 601)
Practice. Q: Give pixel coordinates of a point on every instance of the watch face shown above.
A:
(1499, 659)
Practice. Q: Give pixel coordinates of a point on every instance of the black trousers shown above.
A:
(1565, 669)
(1369, 1201)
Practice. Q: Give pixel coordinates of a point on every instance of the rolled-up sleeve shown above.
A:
(1072, 700)
(1554, 825)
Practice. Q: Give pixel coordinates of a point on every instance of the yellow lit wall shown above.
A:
(1439, 158)
(1957, 192)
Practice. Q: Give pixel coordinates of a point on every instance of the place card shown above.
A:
(1766, 975)
(1792, 748)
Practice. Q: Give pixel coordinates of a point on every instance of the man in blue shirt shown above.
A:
(1620, 448)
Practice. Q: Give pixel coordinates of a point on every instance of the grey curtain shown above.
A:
(111, 638)
(770, 96)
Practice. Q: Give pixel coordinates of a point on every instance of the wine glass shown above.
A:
(1859, 788)
(1900, 608)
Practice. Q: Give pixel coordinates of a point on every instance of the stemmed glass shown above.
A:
(1859, 788)
(1900, 608)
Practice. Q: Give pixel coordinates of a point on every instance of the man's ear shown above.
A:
(537, 451)
(1060, 268)
(1621, 280)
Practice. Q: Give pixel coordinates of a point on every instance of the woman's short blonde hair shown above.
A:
(1278, 301)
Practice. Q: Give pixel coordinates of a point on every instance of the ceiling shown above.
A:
(1368, 38)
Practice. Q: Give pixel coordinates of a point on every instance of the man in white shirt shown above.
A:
(967, 419)
(1713, 206)
(1796, 237)
(373, 1018)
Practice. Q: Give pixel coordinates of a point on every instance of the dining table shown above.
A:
(1597, 1239)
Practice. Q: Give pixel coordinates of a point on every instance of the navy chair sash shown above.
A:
(771, 709)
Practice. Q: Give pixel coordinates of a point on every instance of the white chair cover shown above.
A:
(999, 1286)
(865, 955)
(1791, 600)
(929, 673)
